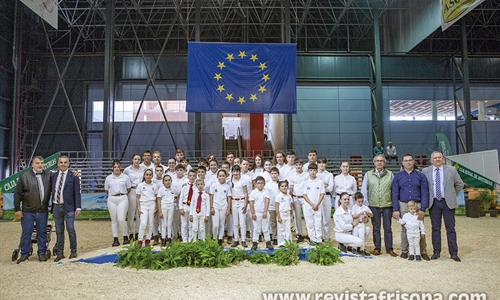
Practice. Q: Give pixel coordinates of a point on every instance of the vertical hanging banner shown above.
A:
(453, 10)
(443, 144)
(242, 78)
(46, 9)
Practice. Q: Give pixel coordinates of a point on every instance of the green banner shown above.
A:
(8, 185)
(473, 178)
(443, 144)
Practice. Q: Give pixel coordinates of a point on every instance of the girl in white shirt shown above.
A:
(344, 224)
(220, 197)
(147, 191)
(345, 183)
(239, 194)
(258, 165)
(165, 203)
(135, 172)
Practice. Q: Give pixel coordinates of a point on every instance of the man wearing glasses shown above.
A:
(410, 185)
(376, 189)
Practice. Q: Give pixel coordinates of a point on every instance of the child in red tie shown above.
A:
(199, 211)
(187, 195)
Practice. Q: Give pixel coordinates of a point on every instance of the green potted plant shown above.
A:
(486, 198)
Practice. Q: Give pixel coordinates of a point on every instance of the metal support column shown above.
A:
(109, 82)
(466, 89)
(377, 101)
(197, 116)
(289, 117)
(16, 96)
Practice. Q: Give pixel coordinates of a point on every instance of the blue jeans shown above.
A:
(27, 223)
(60, 217)
(382, 215)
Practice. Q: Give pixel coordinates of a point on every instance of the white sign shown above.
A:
(46, 9)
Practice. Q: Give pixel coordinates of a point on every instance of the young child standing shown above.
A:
(274, 190)
(165, 203)
(415, 230)
(314, 192)
(178, 181)
(239, 201)
(200, 211)
(185, 199)
(297, 181)
(284, 210)
(259, 205)
(363, 213)
(146, 205)
(220, 197)
(158, 179)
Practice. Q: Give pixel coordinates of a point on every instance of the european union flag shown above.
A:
(241, 78)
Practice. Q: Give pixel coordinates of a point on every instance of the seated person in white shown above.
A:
(363, 213)
(344, 224)
(414, 230)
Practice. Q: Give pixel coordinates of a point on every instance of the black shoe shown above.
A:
(163, 243)
(244, 244)
(254, 246)
(21, 259)
(130, 236)
(418, 258)
(364, 253)
(136, 237)
(354, 251)
(404, 255)
(73, 255)
(42, 257)
(275, 242)
(269, 246)
(342, 248)
(412, 257)
(234, 244)
(116, 243)
(300, 239)
(435, 256)
(455, 258)
(220, 242)
(126, 240)
(59, 257)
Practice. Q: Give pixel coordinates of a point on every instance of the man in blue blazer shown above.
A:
(444, 186)
(66, 205)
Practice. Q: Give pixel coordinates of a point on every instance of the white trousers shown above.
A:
(228, 225)
(167, 220)
(239, 218)
(132, 212)
(284, 231)
(260, 225)
(297, 206)
(362, 231)
(185, 225)
(218, 220)
(326, 205)
(413, 243)
(249, 221)
(176, 222)
(313, 222)
(117, 207)
(147, 209)
(348, 239)
(198, 228)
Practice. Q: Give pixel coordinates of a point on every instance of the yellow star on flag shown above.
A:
(217, 76)
(241, 100)
(230, 57)
(254, 57)
(221, 65)
(229, 97)
(253, 97)
(262, 89)
(265, 77)
(242, 54)
(220, 88)
(262, 66)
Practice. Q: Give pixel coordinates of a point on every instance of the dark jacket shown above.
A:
(28, 195)
(70, 191)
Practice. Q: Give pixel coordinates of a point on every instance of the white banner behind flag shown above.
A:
(46, 9)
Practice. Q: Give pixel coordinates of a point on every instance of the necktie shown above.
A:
(190, 194)
(40, 186)
(198, 204)
(438, 185)
(59, 188)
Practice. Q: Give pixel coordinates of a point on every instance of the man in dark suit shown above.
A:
(444, 186)
(33, 192)
(66, 205)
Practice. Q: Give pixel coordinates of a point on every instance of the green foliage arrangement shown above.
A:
(289, 255)
(324, 254)
(485, 197)
(259, 258)
(235, 256)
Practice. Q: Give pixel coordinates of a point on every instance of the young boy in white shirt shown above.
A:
(296, 190)
(284, 210)
(314, 192)
(187, 194)
(259, 205)
(199, 212)
(363, 213)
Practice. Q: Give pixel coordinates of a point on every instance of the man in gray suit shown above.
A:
(444, 186)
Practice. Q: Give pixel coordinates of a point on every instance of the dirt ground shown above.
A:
(479, 271)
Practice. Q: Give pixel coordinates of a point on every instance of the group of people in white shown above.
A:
(261, 198)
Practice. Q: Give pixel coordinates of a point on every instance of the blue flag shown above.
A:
(241, 78)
